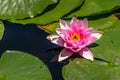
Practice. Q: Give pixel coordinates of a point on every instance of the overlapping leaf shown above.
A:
(79, 8)
(101, 24)
(64, 7)
(96, 7)
(19, 9)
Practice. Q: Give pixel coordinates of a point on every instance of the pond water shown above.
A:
(29, 38)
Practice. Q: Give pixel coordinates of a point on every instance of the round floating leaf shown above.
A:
(108, 49)
(84, 70)
(63, 7)
(19, 9)
(15, 65)
(95, 7)
(1, 30)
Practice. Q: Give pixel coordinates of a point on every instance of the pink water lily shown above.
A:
(75, 36)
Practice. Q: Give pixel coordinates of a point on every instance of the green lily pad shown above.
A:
(63, 7)
(50, 28)
(95, 7)
(16, 65)
(19, 9)
(80, 69)
(1, 29)
(101, 24)
(108, 49)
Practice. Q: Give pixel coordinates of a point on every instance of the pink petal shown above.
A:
(97, 35)
(94, 36)
(56, 39)
(64, 25)
(86, 53)
(64, 54)
(88, 31)
(60, 32)
(74, 20)
(53, 36)
(85, 23)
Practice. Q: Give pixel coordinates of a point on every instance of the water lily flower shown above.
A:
(75, 36)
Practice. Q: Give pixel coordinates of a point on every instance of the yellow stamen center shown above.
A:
(75, 37)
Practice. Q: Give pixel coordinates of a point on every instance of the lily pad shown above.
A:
(62, 8)
(96, 7)
(108, 50)
(101, 24)
(16, 65)
(19, 9)
(80, 69)
(50, 28)
(1, 29)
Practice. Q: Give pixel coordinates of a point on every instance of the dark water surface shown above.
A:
(29, 38)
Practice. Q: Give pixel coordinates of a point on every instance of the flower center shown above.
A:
(75, 37)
